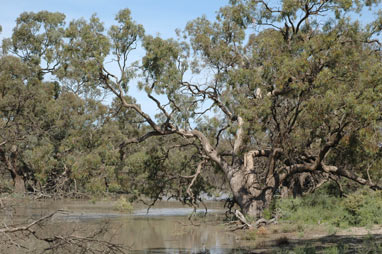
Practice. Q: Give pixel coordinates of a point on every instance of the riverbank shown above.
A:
(166, 228)
(293, 239)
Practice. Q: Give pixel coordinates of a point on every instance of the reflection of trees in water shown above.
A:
(174, 232)
(137, 232)
(159, 234)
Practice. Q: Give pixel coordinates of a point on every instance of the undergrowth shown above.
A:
(360, 208)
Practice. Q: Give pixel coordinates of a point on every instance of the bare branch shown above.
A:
(27, 227)
(334, 139)
(135, 107)
(206, 147)
(142, 138)
(219, 133)
(248, 157)
(158, 105)
(268, 8)
(350, 175)
(213, 95)
(197, 173)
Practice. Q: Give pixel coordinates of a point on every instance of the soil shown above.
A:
(288, 237)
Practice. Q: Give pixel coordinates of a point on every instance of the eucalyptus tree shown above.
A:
(54, 134)
(27, 56)
(292, 88)
(15, 108)
(265, 93)
(52, 140)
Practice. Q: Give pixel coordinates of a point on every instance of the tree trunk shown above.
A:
(249, 194)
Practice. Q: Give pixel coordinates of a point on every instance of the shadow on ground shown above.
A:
(333, 244)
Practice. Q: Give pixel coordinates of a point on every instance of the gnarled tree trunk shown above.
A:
(249, 193)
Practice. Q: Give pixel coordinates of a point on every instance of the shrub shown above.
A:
(123, 205)
(361, 208)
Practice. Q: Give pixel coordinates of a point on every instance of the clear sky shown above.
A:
(157, 16)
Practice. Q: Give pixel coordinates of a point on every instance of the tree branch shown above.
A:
(197, 173)
(120, 95)
(27, 227)
(239, 136)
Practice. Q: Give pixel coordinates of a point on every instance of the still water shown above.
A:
(164, 229)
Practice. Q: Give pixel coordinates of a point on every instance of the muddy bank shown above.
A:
(287, 238)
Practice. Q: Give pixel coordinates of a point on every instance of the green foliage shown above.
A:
(57, 133)
(310, 209)
(123, 205)
(361, 208)
(37, 36)
(306, 81)
(154, 170)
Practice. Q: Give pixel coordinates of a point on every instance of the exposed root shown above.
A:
(243, 223)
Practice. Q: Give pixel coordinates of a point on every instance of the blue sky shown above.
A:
(157, 16)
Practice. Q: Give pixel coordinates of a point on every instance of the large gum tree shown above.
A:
(293, 89)
(269, 93)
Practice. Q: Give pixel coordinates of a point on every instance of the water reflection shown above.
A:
(165, 229)
(172, 211)
(175, 232)
(187, 251)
